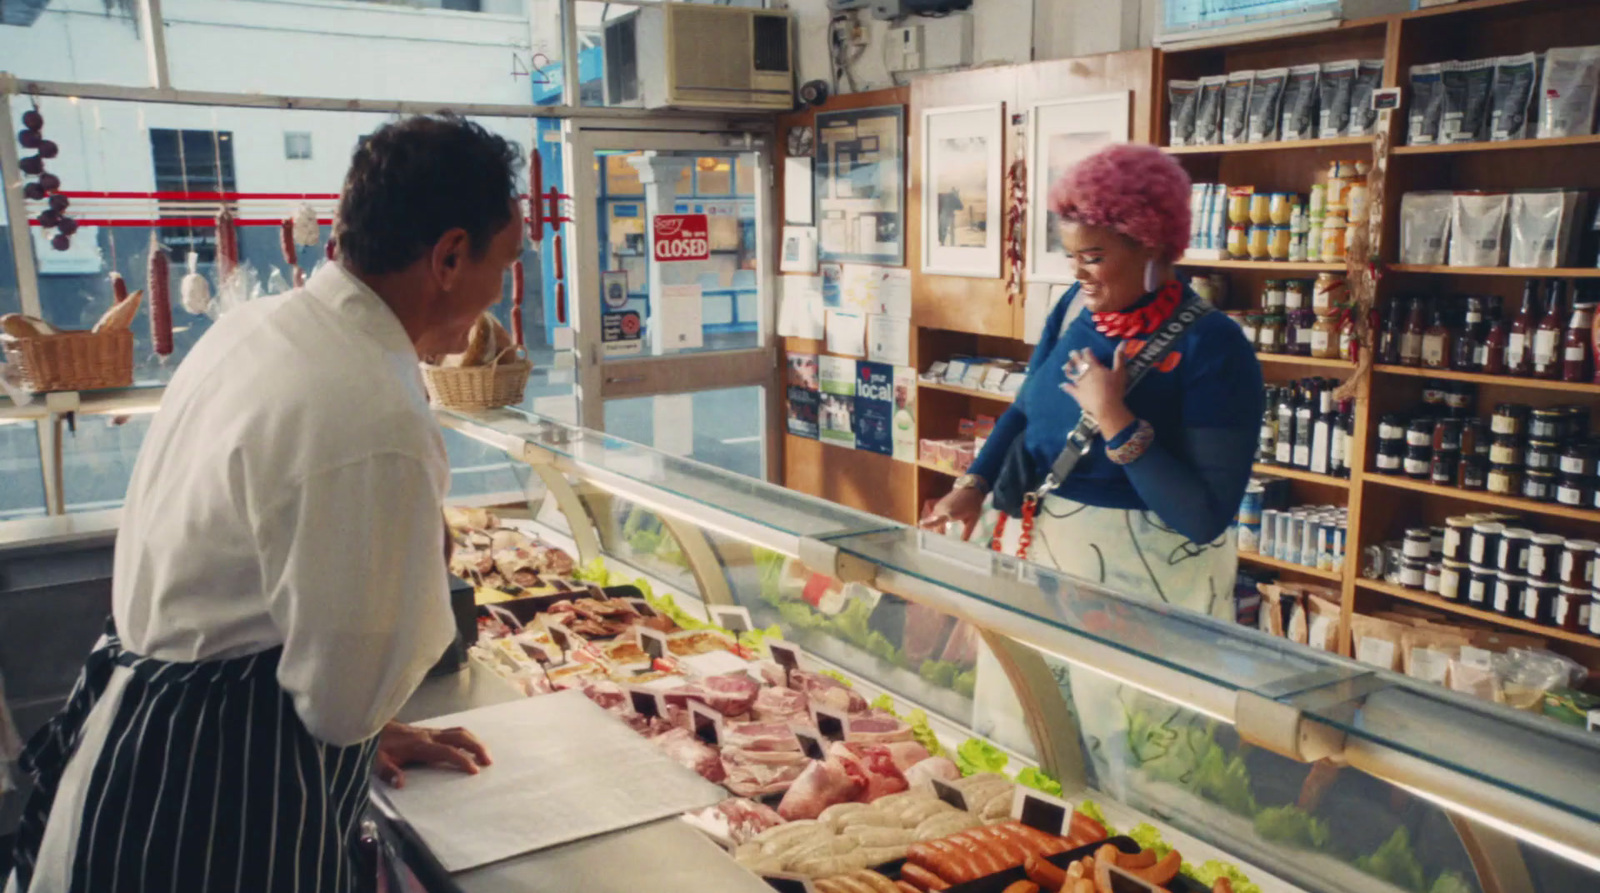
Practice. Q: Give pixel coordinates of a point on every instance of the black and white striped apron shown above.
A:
(194, 777)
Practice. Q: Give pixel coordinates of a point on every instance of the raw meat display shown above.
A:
(692, 753)
(906, 754)
(777, 704)
(921, 775)
(873, 764)
(770, 736)
(730, 695)
(737, 819)
(828, 691)
(754, 773)
(824, 783)
(879, 728)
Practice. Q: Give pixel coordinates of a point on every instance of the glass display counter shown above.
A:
(1306, 770)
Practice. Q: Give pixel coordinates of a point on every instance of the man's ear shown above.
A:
(449, 255)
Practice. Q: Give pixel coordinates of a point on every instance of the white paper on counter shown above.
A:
(797, 191)
(564, 769)
(889, 340)
(800, 307)
(847, 333)
(678, 317)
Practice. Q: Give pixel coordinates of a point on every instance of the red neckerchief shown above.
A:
(1143, 320)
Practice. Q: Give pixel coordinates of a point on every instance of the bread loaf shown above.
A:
(121, 314)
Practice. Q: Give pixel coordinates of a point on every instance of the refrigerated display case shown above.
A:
(1305, 770)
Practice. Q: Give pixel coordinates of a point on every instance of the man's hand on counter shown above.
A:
(400, 745)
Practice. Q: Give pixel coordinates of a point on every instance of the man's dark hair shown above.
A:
(415, 179)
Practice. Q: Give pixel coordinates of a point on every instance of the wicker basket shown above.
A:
(73, 361)
(500, 383)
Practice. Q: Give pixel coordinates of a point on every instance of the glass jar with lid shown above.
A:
(1325, 336)
(1297, 332)
(1274, 297)
(1327, 291)
(1270, 337)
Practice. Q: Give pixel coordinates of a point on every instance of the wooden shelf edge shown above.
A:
(970, 392)
(1502, 146)
(1301, 475)
(1519, 272)
(1278, 146)
(1509, 381)
(1282, 266)
(1283, 359)
(1275, 564)
(1484, 498)
(1444, 604)
(929, 466)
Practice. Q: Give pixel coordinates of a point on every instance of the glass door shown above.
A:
(672, 308)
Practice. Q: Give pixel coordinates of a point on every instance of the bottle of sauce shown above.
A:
(1389, 340)
(1575, 349)
(1464, 358)
(1304, 415)
(1519, 343)
(1411, 337)
(1268, 451)
(1491, 359)
(1547, 357)
(1322, 434)
(1283, 449)
(1347, 426)
(1438, 342)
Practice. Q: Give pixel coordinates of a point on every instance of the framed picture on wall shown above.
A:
(1062, 132)
(962, 180)
(860, 186)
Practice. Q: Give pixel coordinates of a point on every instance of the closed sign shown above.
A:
(682, 237)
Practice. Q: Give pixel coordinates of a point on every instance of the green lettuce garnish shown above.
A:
(976, 755)
(1039, 781)
(1148, 837)
(1395, 862)
(885, 703)
(922, 733)
(939, 672)
(1208, 872)
(1292, 826)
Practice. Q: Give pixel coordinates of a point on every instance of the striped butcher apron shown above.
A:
(186, 777)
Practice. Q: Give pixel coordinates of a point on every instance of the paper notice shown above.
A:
(797, 191)
(678, 317)
(889, 340)
(847, 333)
(800, 307)
(799, 250)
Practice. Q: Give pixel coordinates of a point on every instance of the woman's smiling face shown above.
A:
(1110, 266)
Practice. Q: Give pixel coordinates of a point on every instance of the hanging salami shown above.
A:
(160, 288)
(517, 288)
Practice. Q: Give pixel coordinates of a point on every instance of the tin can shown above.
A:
(1250, 507)
(1341, 535)
(1290, 549)
(1309, 536)
(1267, 544)
(1288, 539)
(1249, 537)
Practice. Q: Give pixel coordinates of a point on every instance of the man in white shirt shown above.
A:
(280, 583)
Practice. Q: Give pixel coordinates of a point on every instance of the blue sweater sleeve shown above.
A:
(1197, 494)
(1014, 420)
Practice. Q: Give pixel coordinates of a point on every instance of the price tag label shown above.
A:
(707, 723)
(1386, 99)
(789, 883)
(949, 794)
(1123, 882)
(646, 702)
(816, 749)
(832, 724)
(653, 642)
(786, 656)
(563, 639)
(1049, 814)
(733, 618)
(641, 607)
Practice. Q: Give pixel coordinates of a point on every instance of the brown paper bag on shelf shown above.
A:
(1441, 645)
(1376, 640)
(1322, 625)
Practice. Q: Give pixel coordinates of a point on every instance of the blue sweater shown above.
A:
(1204, 400)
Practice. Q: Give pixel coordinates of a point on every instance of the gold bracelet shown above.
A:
(1135, 446)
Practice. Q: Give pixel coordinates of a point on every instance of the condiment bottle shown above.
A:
(1547, 358)
(1519, 344)
(1575, 349)
(1267, 453)
(1491, 359)
(1468, 343)
(1411, 337)
(1389, 337)
(1349, 345)
(1438, 342)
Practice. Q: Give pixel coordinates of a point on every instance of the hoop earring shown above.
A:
(1152, 276)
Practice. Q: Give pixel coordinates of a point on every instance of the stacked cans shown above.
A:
(1313, 536)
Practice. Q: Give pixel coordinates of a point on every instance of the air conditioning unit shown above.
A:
(690, 56)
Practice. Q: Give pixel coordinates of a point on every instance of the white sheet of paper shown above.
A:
(1037, 303)
(678, 317)
(888, 339)
(673, 418)
(847, 333)
(894, 292)
(799, 254)
(797, 185)
(858, 287)
(800, 307)
(564, 770)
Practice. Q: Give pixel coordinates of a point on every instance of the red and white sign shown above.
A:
(682, 237)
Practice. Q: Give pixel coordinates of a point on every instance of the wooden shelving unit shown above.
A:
(1265, 266)
(1504, 381)
(1443, 604)
(1515, 272)
(1258, 559)
(967, 392)
(929, 466)
(1297, 474)
(1564, 142)
(1510, 503)
(1283, 359)
(1343, 142)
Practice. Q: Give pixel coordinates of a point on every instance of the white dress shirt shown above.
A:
(289, 493)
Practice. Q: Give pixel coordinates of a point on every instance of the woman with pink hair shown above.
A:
(1132, 487)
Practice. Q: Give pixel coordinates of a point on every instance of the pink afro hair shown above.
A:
(1134, 190)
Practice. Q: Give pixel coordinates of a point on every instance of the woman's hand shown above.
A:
(401, 745)
(1098, 390)
(962, 504)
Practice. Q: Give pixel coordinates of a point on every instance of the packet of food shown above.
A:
(1512, 96)
(1182, 99)
(1443, 645)
(1477, 229)
(1363, 118)
(1424, 227)
(1297, 119)
(1322, 626)
(1376, 641)
(1466, 100)
(1266, 100)
(1542, 227)
(1570, 706)
(1478, 680)
(1236, 107)
(1427, 105)
(1567, 91)
(1333, 93)
(1208, 111)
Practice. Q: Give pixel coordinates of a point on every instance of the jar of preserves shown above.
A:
(1573, 490)
(1239, 205)
(1418, 543)
(1480, 586)
(1539, 603)
(1548, 424)
(1314, 242)
(1391, 457)
(1505, 450)
(1577, 563)
(1420, 433)
(1278, 240)
(1413, 573)
(1297, 247)
(1349, 345)
(1327, 291)
(1450, 574)
(1475, 438)
(1457, 538)
(1571, 611)
(1239, 242)
(1333, 235)
(1325, 336)
(1251, 326)
(1259, 242)
(1508, 594)
(1514, 545)
(1419, 463)
(1474, 473)
(1504, 480)
(1447, 435)
(1297, 335)
(1542, 455)
(1280, 209)
(1509, 418)
(1298, 294)
(1430, 577)
(1544, 557)
(1577, 420)
(1274, 297)
(1261, 208)
(1391, 427)
(1485, 543)
(1270, 338)
(1578, 459)
(1444, 466)
(1539, 486)
(1203, 287)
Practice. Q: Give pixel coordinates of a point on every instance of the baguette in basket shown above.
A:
(486, 340)
(491, 371)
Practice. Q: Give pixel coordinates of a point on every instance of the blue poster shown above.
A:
(875, 407)
(803, 406)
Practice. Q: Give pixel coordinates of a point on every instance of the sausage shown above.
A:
(119, 287)
(923, 878)
(1109, 855)
(989, 861)
(1044, 873)
(1011, 848)
(535, 200)
(227, 245)
(160, 288)
(561, 303)
(517, 288)
(1222, 885)
(1141, 859)
(1163, 871)
(1087, 828)
(873, 882)
(1022, 887)
(561, 261)
(905, 887)
(291, 255)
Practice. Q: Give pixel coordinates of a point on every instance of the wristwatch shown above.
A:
(972, 481)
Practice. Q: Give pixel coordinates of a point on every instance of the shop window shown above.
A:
(296, 145)
(21, 477)
(192, 161)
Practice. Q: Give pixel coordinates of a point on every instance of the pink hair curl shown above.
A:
(1135, 190)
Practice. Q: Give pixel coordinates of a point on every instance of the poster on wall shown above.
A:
(905, 414)
(804, 395)
(860, 186)
(1061, 133)
(962, 178)
(875, 408)
(836, 378)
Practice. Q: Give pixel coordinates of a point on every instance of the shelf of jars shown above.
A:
(1260, 560)
(1263, 265)
(1484, 497)
(1298, 474)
